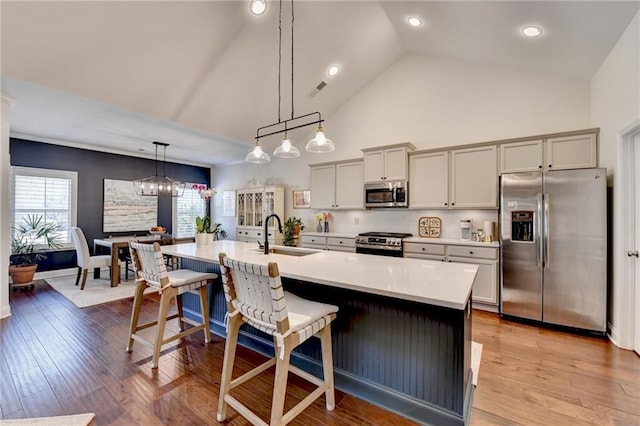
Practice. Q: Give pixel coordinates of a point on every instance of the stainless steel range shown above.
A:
(381, 243)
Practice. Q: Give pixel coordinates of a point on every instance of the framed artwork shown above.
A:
(301, 199)
(124, 210)
(430, 227)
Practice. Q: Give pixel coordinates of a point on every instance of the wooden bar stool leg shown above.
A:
(327, 366)
(79, 274)
(280, 386)
(204, 308)
(233, 329)
(85, 272)
(181, 326)
(165, 299)
(135, 312)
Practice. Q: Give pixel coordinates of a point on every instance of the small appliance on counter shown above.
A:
(465, 229)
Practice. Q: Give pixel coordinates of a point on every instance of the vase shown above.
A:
(326, 227)
(319, 227)
(201, 239)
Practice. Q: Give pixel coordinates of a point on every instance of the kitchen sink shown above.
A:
(288, 251)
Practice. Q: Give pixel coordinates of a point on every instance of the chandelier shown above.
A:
(319, 143)
(159, 185)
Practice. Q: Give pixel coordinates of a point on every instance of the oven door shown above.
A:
(379, 251)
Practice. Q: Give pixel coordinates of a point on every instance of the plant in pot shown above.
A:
(292, 228)
(32, 236)
(206, 233)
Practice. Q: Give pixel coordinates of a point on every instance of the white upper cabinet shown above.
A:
(566, 152)
(474, 178)
(349, 186)
(323, 182)
(337, 186)
(572, 152)
(521, 156)
(387, 163)
(429, 180)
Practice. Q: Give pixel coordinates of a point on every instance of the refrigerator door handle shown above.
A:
(537, 232)
(545, 232)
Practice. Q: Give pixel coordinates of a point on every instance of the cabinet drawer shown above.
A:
(309, 239)
(473, 252)
(424, 256)
(418, 248)
(341, 242)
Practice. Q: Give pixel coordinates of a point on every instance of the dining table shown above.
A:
(116, 243)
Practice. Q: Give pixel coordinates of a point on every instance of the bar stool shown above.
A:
(255, 296)
(151, 271)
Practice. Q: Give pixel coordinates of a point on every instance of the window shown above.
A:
(185, 211)
(49, 193)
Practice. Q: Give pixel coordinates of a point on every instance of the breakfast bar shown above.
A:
(402, 338)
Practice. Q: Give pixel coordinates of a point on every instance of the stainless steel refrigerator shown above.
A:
(554, 247)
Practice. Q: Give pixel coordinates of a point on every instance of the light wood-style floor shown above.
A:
(57, 359)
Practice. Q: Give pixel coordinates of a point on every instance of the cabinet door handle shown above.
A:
(445, 204)
(453, 204)
(540, 166)
(340, 242)
(449, 261)
(550, 165)
(423, 249)
(470, 251)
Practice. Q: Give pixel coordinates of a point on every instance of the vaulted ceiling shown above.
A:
(203, 76)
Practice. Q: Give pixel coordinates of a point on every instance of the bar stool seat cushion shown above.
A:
(187, 277)
(302, 313)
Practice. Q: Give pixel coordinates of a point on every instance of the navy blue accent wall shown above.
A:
(93, 167)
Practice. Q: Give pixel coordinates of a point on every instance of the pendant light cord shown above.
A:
(279, 59)
(292, 59)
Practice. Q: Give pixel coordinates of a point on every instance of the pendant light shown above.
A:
(287, 149)
(159, 185)
(257, 156)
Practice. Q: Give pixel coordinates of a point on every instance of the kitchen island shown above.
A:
(402, 339)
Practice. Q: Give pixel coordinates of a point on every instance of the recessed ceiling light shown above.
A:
(531, 31)
(414, 21)
(333, 70)
(258, 6)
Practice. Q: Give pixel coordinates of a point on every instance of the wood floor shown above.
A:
(57, 359)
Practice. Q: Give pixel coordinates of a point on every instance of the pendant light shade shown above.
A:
(286, 149)
(159, 185)
(257, 156)
(320, 143)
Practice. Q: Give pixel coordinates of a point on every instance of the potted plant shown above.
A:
(292, 228)
(206, 234)
(31, 237)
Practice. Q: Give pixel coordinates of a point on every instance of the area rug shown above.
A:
(95, 292)
(72, 420)
(476, 356)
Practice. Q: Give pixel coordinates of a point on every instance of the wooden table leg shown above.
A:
(115, 266)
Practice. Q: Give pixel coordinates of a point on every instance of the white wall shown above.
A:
(431, 103)
(4, 205)
(615, 103)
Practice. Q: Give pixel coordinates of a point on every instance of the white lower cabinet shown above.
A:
(328, 243)
(253, 235)
(485, 288)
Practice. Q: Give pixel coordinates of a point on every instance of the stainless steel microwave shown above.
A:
(386, 194)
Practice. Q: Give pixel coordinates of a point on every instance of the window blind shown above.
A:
(187, 208)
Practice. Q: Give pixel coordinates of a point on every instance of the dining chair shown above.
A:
(85, 260)
(151, 271)
(254, 295)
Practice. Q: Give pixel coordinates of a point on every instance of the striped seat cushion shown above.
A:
(302, 313)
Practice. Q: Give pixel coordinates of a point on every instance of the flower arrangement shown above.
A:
(323, 217)
(205, 193)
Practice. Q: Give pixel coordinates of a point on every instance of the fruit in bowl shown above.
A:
(158, 230)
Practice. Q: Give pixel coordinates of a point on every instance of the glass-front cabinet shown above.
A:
(254, 205)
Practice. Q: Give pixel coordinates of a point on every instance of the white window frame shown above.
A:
(48, 173)
(174, 211)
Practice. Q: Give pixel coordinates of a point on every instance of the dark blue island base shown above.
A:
(411, 358)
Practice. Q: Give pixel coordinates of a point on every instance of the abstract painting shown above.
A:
(124, 210)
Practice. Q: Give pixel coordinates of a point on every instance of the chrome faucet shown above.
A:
(266, 231)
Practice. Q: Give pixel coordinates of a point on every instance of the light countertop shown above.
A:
(451, 241)
(328, 234)
(425, 281)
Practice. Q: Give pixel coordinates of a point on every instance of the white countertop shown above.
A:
(419, 280)
(328, 234)
(451, 241)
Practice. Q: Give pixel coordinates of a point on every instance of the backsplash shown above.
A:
(399, 220)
